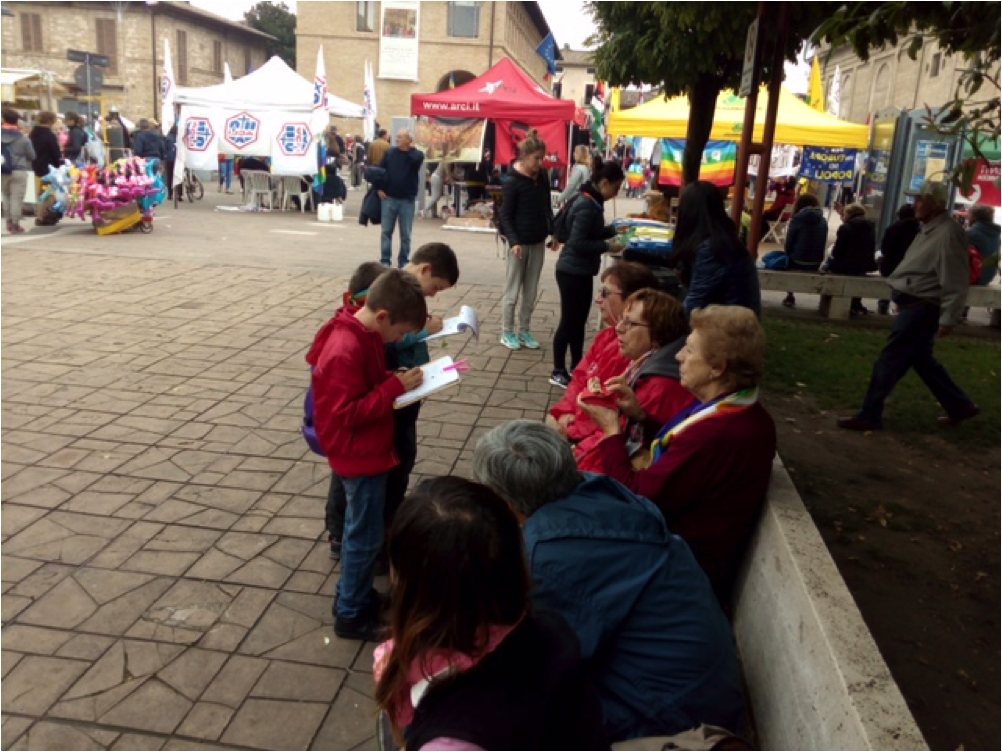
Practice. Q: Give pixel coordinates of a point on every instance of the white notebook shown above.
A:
(466, 321)
(437, 376)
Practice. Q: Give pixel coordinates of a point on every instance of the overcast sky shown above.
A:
(575, 26)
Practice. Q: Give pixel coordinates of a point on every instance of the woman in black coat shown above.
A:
(854, 251)
(806, 238)
(580, 258)
(45, 143)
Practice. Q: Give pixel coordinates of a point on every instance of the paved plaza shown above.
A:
(165, 580)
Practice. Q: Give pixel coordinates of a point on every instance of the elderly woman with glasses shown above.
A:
(709, 465)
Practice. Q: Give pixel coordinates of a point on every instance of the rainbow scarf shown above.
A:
(733, 403)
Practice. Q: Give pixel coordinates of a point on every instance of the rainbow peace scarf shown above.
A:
(729, 405)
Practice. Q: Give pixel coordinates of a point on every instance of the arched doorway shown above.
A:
(454, 78)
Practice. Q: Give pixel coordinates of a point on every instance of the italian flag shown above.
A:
(597, 108)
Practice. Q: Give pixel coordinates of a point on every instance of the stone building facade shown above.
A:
(890, 78)
(37, 35)
(457, 41)
(576, 76)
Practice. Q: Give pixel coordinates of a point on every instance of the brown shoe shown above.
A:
(951, 421)
(855, 423)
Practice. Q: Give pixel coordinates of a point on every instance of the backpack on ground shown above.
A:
(561, 222)
(776, 261)
(8, 161)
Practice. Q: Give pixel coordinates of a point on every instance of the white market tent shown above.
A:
(267, 113)
(273, 86)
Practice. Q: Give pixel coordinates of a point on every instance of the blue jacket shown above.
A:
(806, 238)
(658, 644)
(723, 283)
(402, 173)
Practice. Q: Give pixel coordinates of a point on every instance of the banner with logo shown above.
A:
(828, 165)
(204, 133)
(398, 40)
(456, 139)
(719, 161)
(508, 134)
(986, 185)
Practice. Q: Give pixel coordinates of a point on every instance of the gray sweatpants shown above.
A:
(14, 186)
(522, 276)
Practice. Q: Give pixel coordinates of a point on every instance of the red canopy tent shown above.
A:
(513, 102)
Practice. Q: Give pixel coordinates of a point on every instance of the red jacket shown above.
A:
(710, 485)
(602, 360)
(353, 397)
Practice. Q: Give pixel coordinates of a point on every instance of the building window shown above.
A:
(217, 57)
(589, 93)
(366, 16)
(31, 32)
(937, 59)
(464, 19)
(248, 62)
(591, 71)
(182, 57)
(107, 41)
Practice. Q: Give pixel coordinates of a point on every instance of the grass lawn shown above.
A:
(831, 364)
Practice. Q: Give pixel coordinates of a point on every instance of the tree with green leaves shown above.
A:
(691, 48)
(280, 22)
(968, 29)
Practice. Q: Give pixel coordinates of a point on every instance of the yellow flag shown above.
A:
(614, 100)
(815, 92)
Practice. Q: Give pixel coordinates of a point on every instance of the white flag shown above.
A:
(321, 115)
(369, 103)
(227, 76)
(168, 89)
(835, 94)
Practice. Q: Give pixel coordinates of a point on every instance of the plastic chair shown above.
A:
(292, 185)
(258, 184)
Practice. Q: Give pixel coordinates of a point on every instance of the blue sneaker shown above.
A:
(527, 340)
(510, 341)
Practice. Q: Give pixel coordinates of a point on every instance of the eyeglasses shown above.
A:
(605, 293)
(627, 325)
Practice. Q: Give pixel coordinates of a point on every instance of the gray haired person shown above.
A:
(660, 646)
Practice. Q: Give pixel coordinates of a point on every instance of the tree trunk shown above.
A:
(702, 106)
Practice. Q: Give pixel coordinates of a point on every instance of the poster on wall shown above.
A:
(460, 140)
(398, 40)
(717, 167)
(930, 163)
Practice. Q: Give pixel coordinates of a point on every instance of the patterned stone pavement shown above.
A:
(165, 581)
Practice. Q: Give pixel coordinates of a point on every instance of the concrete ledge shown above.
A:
(815, 677)
(836, 290)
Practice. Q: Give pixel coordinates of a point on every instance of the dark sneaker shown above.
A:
(560, 378)
(335, 552)
(366, 627)
(951, 421)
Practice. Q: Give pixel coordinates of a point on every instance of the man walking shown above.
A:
(400, 187)
(929, 287)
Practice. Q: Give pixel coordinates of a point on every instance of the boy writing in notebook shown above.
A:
(437, 269)
(353, 395)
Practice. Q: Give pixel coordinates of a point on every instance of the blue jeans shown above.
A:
(363, 538)
(393, 209)
(910, 345)
(226, 173)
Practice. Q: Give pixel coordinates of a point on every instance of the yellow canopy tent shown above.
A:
(796, 122)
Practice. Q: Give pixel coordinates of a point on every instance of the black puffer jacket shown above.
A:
(896, 240)
(588, 238)
(47, 153)
(806, 238)
(854, 249)
(526, 216)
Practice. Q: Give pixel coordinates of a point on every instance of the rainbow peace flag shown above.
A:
(720, 158)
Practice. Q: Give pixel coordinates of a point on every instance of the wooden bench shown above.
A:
(837, 291)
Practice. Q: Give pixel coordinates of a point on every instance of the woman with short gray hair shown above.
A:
(659, 645)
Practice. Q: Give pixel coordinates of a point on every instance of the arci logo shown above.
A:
(198, 134)
(490, 88)
(241, 130)
(319, 92)
(165, 86)
(294, 139)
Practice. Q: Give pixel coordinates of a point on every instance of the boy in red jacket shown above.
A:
(353, 397)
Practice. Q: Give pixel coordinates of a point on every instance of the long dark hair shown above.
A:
(458, 568)
(702, 217)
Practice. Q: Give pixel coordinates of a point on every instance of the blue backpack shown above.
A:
(8, 160)
(776, 261)
(309, 425)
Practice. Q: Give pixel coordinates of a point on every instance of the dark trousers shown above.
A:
(575, 303)
(405, 445)
(910, 345)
